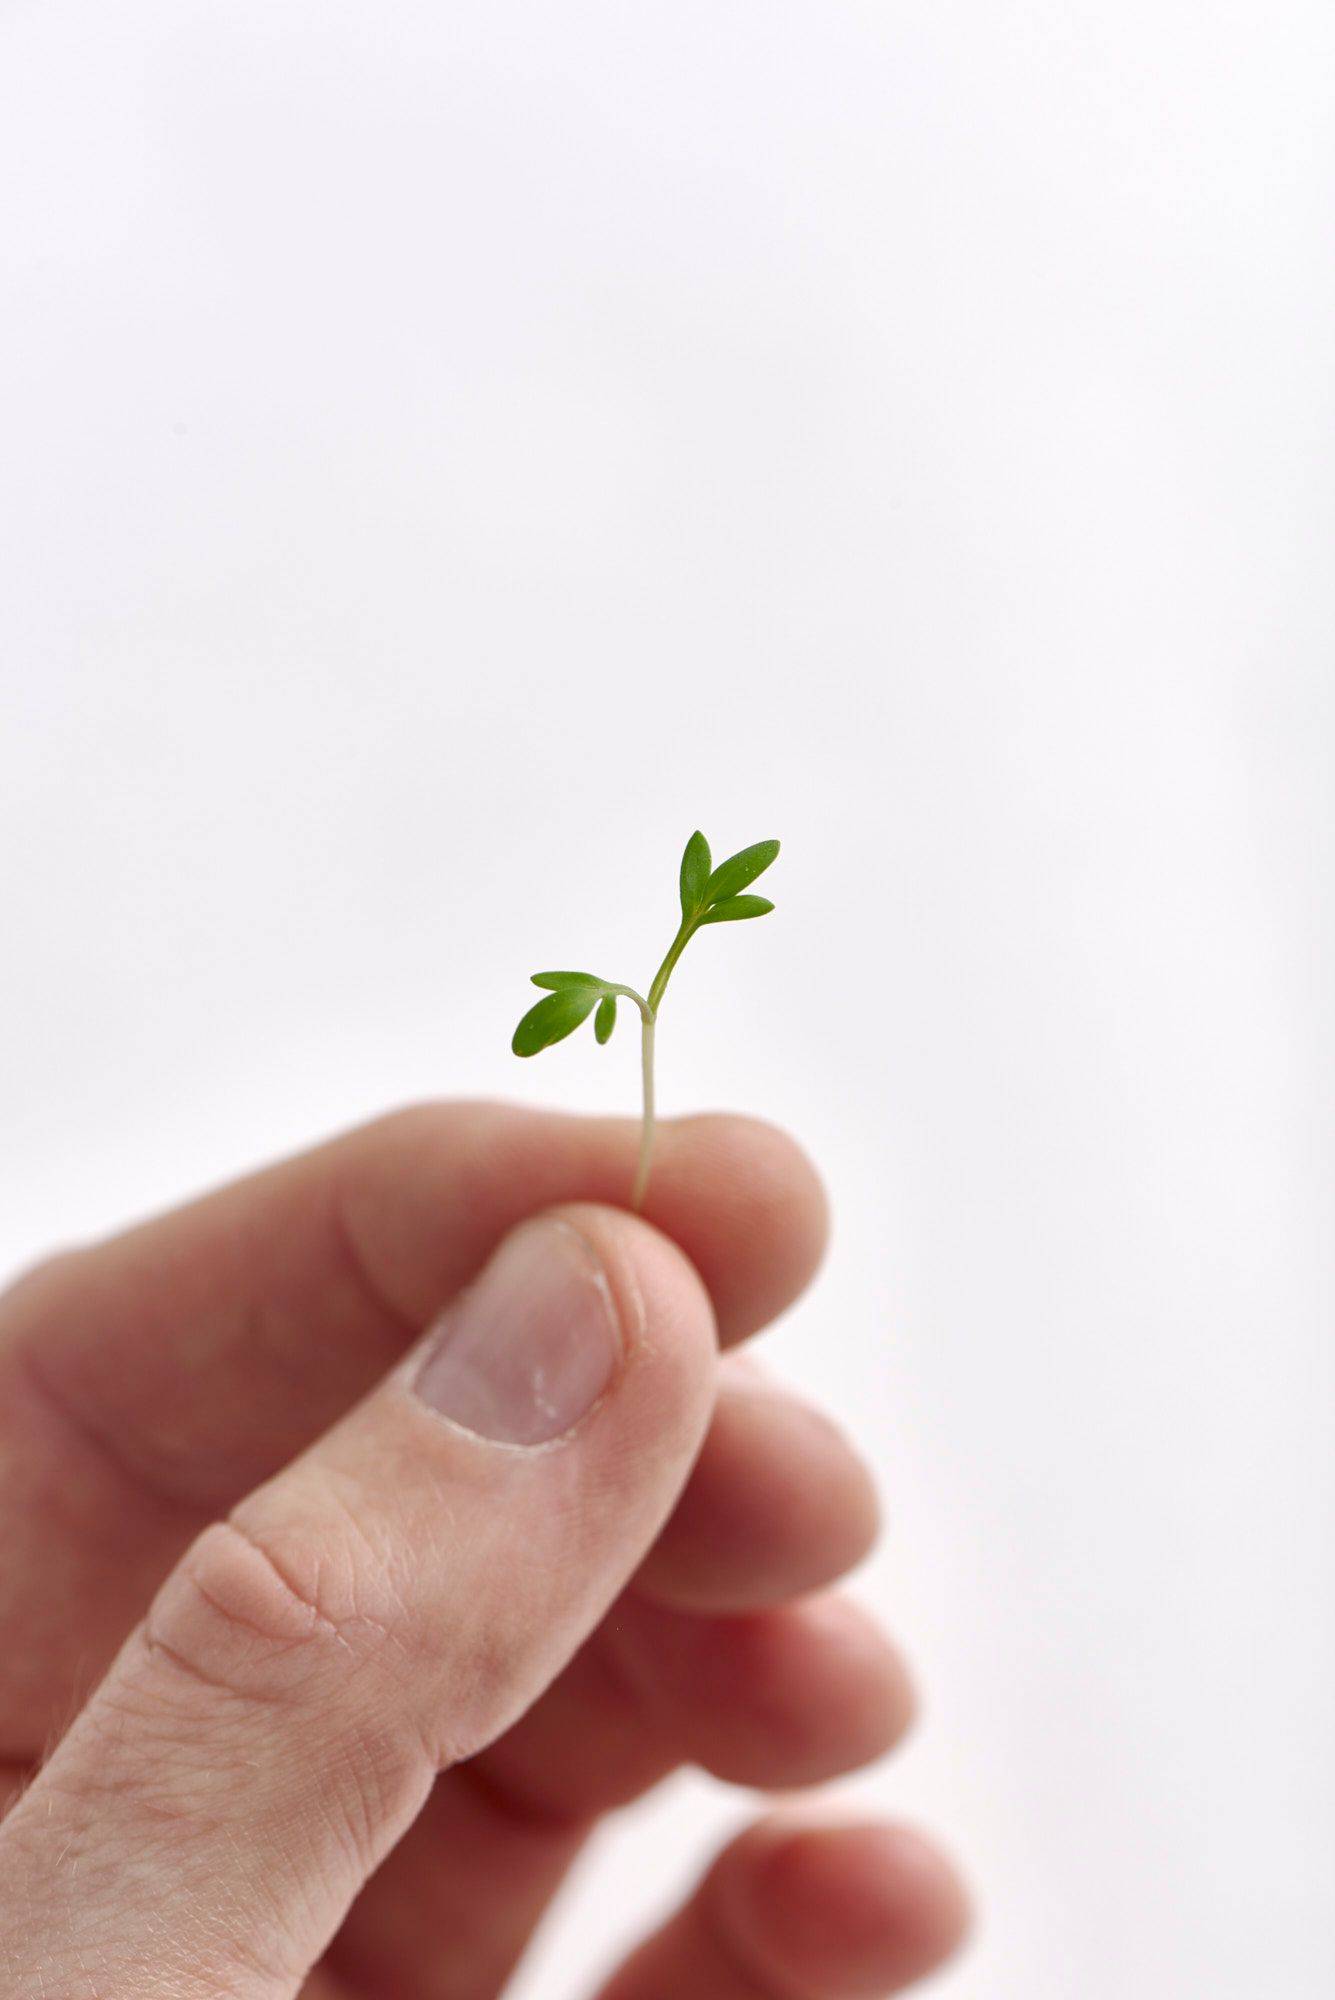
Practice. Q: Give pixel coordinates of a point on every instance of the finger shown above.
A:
(322, 1985)
(148, 1382)
(385, 1606)
(780, 1698)
(789, 1697)
(453, 1909)
(779, 1503)
(806, 1912)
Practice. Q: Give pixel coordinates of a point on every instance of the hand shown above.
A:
(361, 1630)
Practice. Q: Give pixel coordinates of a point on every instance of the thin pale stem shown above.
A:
(646, 1011)
(649, 1017)
(648, 1021)
(647, 1124)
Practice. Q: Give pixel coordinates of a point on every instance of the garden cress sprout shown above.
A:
(708, 896)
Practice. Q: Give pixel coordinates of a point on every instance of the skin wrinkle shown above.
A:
(320, 1621)
(393, 1631)
(159, 1648)
(362, 1813)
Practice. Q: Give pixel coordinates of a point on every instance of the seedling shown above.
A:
(709, 895)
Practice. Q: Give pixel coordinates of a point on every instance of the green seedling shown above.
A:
(709, 895)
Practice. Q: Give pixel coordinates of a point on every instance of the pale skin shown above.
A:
(347, 1746)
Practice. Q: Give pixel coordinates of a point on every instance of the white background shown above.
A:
(451, 451)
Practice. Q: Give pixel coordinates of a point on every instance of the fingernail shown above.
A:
(530, 1346)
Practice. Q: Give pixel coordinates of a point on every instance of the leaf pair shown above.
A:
(709, 895)
(712, 895)
(573, 996)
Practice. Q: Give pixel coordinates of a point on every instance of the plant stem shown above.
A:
(664, 972)
(647, 1020)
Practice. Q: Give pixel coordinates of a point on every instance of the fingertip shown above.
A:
(767, 1226)
(738, 1194)
(851, 1909)
(866, 1676)
(785, 1698)
(779, 1503)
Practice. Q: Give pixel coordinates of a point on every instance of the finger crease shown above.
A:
(529, 1815)
(320, 1619)
(359, 1274)
(161, 1649)
(103, 1445)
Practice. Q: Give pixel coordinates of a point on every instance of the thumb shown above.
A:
(385, 1606)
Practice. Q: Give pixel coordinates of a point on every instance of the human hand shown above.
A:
(361, 1632)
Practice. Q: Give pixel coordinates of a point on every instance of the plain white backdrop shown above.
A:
(449, 452)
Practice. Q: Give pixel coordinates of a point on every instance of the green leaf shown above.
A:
(560, 981)
(553, 1019)
(694, 874)
(606, 1018)
(733, 909)
(739, 870)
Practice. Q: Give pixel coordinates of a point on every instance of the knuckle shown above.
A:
(280, 1662)
(274, 1620)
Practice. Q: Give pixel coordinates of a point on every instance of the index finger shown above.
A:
(147, 1382)
(204, 1348)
